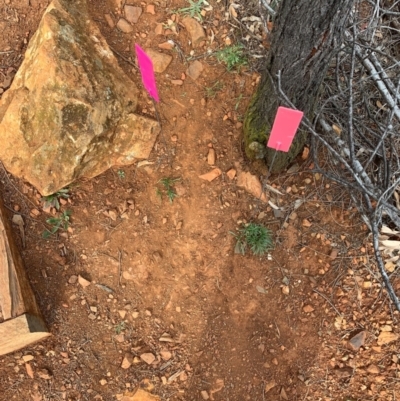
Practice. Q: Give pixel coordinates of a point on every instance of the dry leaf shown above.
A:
(337, 129)
(306, 153)
(232, 11)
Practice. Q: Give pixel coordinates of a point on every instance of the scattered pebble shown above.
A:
(308, 309)
(211, 175)
(211, 157)
(358, 340)
(148, 357)
(195, 69)
(132, 13)
(83, 282)
(124, 26)
(160, 61)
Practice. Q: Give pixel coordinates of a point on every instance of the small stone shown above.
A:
(126, 362)
(103, 382)
(29, 370)
(308, 309)
(212, 175)
(183, 376)
(165, 355)
(83, 282)
(373, 369)
(73, 279)
(195, 30)
(211, 157)
(357, 341)
(124, 26)
(270, 385)
(275, 361)
(44, 374)
(109, 21)
(135, 314)
(160, 60)
(150, 9)
(231, 173)
(204, 395)
(159, 29)
(27, 358)
(139, 395)
(252, 185)
(148, 357)
(195, 69)
(386, 337)
(132, 13)
(166, 45)
(285, 290)
(120, 338)
(176, 82)
(122, 313)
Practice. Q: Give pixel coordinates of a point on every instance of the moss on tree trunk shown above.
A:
(306, 36)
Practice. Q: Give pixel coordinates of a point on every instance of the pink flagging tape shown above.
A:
(286, 123)
(147, 72)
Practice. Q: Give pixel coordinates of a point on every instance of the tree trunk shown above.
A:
(305, 37)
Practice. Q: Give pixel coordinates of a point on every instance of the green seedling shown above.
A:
(53, 199)
(120, 327)
(255, 236)
(233, 56)
(168, 183)
(238, 100)
(121, 174)
(212, 91)
(194, 9)
(60, 222)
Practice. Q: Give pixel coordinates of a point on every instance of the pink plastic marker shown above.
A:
(286, 123)
(147, 72)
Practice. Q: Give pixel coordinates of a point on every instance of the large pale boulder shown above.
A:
(70, 109)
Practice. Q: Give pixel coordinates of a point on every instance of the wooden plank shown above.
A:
(20, 332)
(23, 323)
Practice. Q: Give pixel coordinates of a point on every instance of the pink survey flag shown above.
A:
(286, 123)
(147, 72)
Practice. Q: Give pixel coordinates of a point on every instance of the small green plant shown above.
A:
(212, 90)
(255, 236)
(168, 183)
(194, 9)
(121, 174)
(233, 56)
(53, 199)
(120, 327)
(60, 222)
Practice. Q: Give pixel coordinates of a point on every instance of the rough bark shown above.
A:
(305, 37)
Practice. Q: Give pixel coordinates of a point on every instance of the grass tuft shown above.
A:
(233, 56)
(254, 236)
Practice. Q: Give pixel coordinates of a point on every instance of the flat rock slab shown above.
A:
(69, 112)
